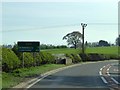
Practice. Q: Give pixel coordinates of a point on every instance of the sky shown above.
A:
(48, 22)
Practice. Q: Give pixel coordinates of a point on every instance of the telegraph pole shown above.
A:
(83, 27)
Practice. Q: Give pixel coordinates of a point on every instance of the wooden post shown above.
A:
(83, 27)
(34, 59)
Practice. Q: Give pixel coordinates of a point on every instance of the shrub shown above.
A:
(98, 57)
(107, 56)
(113, 56)
(95, 57)
(28, 59)
(9, 60)
(84, 57)
(70, 56)
(47, 58)
(38, 59)
(75, 58)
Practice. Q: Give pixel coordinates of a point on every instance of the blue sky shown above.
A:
(48, 22)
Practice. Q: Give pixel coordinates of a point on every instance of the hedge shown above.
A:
(37, 59)
(75, 58)
(9, 60)
(47, 58)
(13, 61)
(97, 57)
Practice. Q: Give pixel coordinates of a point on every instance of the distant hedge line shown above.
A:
(11, 61)
(91, 57)
(98, 57)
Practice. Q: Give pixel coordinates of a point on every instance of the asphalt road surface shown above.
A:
(82, 76)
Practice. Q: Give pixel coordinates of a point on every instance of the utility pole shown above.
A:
(83, 27)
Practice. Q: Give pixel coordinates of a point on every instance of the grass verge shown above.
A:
(17, 76)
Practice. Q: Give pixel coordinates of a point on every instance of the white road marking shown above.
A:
(104, 80)
(100, 73)
(51, 72)
(101, 69)
(116, 70)
(36, 81)
(115, 80)
(108, 71)
(103, 66)
(108, 74)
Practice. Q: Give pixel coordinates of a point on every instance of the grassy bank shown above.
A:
(17, 76)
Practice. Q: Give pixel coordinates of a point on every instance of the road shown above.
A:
(82, 76)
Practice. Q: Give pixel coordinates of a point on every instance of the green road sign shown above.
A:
(28, 46)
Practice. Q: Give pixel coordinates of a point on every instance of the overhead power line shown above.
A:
(55, 26)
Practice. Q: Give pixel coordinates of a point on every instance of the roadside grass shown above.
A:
(17, 76)
(9, 80)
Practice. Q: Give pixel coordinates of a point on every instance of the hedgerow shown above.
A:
(12, 60)
(75, 58)
(47, 58)
(9, 60)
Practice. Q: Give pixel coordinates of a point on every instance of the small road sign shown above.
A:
(28, 46)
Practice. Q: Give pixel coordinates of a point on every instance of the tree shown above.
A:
(15, 49)
(103, 43)
(73, 38)
(118, 41)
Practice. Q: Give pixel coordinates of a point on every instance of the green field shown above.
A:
(62, 51)
(101, 50)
